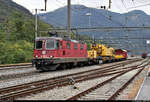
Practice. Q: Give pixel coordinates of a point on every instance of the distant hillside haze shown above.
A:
(104, 18)
(99, 17)
(8, 6)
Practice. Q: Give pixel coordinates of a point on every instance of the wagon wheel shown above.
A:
(63, 66)
(50, 67)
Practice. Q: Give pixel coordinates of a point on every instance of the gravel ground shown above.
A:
(41, 76)
(16, 71)
(108, 90)
(21, 70)
(63, 93)
(45, 75)
(132, 89)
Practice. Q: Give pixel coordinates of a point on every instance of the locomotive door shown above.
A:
(81, 50)
(68, 49)
(58, 48)
(62, 49)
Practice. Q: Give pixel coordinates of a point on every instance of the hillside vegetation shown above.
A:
(16, 33)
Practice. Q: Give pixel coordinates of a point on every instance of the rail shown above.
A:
(26, 89)
(107, 81)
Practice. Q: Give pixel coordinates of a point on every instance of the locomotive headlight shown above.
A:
(36, 56)
(43, 52)
(51, 56)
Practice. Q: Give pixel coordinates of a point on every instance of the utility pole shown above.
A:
(69, 18)
(36, 18)
(89, 15)
(109, 4)
(45, 5)
(36, 23)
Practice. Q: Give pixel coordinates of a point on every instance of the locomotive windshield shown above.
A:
(39, 44)
(50, 44)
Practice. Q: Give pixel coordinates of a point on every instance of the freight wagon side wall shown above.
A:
(65, 49)
(121, 52)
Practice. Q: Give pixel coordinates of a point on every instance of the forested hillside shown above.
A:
(16, 33)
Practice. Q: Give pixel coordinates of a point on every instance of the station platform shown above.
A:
(144, 92)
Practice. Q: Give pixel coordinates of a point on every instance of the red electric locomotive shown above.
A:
(53, 52)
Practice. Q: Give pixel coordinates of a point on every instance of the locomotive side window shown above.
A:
(75, 46)
(81, 47)
(57, 44)
(39, 44)
(50, 44)
(68, 45)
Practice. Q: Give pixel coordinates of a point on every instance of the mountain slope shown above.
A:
(7, 7)
(99, 17)
(104, 18)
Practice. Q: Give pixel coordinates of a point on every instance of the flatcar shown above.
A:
(106, 53)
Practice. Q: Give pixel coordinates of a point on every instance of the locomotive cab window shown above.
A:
(39, 44)
(81, 47)
(68, 45)
(50, 44)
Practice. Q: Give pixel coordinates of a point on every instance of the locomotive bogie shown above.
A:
(55, 61)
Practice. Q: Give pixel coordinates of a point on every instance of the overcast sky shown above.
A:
(120, 6)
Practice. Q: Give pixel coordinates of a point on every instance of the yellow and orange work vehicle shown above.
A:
(105, 53)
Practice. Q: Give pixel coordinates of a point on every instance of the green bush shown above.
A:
(17, 38)
(21, 51)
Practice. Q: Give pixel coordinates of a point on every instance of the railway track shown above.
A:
(19, 75)
(109, 89)
(38, 86)
(15, 66)
(22, 65)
